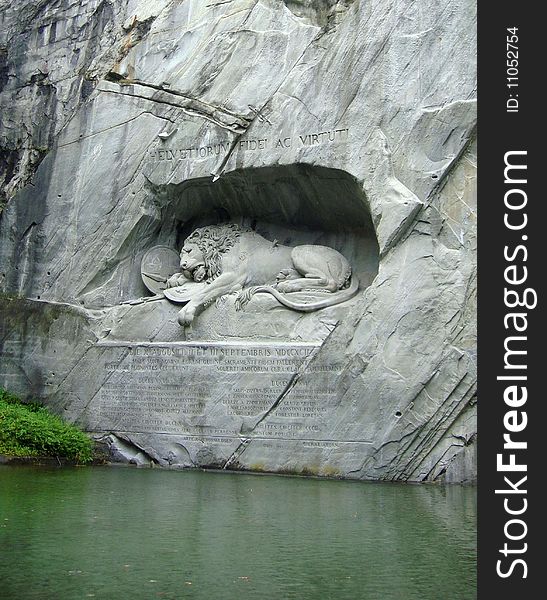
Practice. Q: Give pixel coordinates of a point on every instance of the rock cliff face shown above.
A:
(126, 124)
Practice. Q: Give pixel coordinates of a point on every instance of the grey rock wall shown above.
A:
(345, 123)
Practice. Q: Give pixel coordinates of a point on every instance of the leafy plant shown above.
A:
(31, 430)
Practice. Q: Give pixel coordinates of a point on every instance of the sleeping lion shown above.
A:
(227, 258)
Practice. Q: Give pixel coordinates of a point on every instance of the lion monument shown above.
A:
(224, 259)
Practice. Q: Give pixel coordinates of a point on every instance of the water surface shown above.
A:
(122, 533)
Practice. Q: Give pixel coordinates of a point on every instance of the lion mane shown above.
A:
(214, 241)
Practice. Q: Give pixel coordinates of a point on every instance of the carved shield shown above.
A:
(157, 265)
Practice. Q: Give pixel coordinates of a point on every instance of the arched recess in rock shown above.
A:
(293, 204)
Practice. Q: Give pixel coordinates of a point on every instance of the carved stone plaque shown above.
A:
(187, 388)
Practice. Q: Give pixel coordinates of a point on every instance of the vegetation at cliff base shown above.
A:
(31, 430)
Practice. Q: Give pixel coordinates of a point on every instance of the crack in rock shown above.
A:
(191, 106)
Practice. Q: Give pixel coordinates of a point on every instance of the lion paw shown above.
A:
(244, 298)
(176, 280)
(288, 273)
(186, 316)
(288, 286)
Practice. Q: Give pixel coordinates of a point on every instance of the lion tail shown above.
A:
(330, 300)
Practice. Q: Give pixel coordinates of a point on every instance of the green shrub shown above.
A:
(31, 430)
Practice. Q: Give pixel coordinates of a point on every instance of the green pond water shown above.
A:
(123, 533)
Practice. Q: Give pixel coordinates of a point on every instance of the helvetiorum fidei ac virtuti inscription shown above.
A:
(242, 234)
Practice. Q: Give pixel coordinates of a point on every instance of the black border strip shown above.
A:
(509, 124)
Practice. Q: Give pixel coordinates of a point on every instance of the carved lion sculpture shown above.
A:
(225, 259)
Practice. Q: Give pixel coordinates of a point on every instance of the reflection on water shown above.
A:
(121, 533)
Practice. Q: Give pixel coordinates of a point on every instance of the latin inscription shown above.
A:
(212, 390)
(222, 147)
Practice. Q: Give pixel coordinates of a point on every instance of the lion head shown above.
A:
(201, 254)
